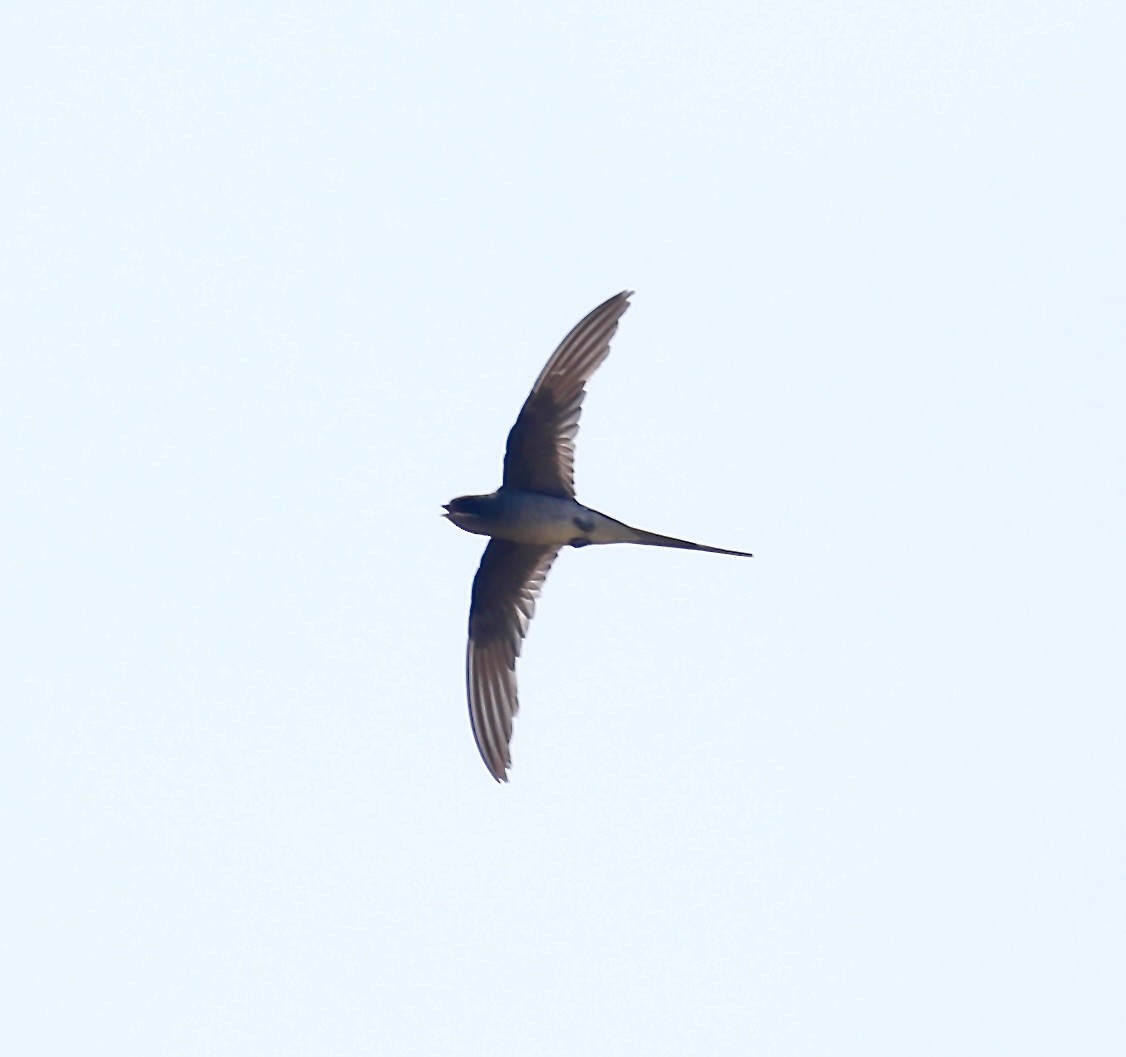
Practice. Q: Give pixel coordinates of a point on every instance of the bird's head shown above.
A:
(473, 513)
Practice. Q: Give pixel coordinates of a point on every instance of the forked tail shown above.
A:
(653, 539)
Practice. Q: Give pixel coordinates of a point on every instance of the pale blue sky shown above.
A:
(275, 283)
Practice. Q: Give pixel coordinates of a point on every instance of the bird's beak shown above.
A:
(446, 508)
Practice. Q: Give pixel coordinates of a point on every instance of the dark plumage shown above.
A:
(529, 518)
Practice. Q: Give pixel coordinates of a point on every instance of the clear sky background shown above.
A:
(276, 280)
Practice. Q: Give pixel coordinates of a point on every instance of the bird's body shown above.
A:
(548, 520)
(529, 518)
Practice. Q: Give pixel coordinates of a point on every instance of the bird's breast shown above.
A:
(528, 517)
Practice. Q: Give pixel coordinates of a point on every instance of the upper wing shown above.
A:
(504, 598)
(541, 446)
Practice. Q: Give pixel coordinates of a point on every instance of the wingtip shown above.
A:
(499, 773)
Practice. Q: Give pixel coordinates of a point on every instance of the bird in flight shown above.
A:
(529, 519)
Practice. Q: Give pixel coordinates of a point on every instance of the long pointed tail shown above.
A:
(653, 539)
